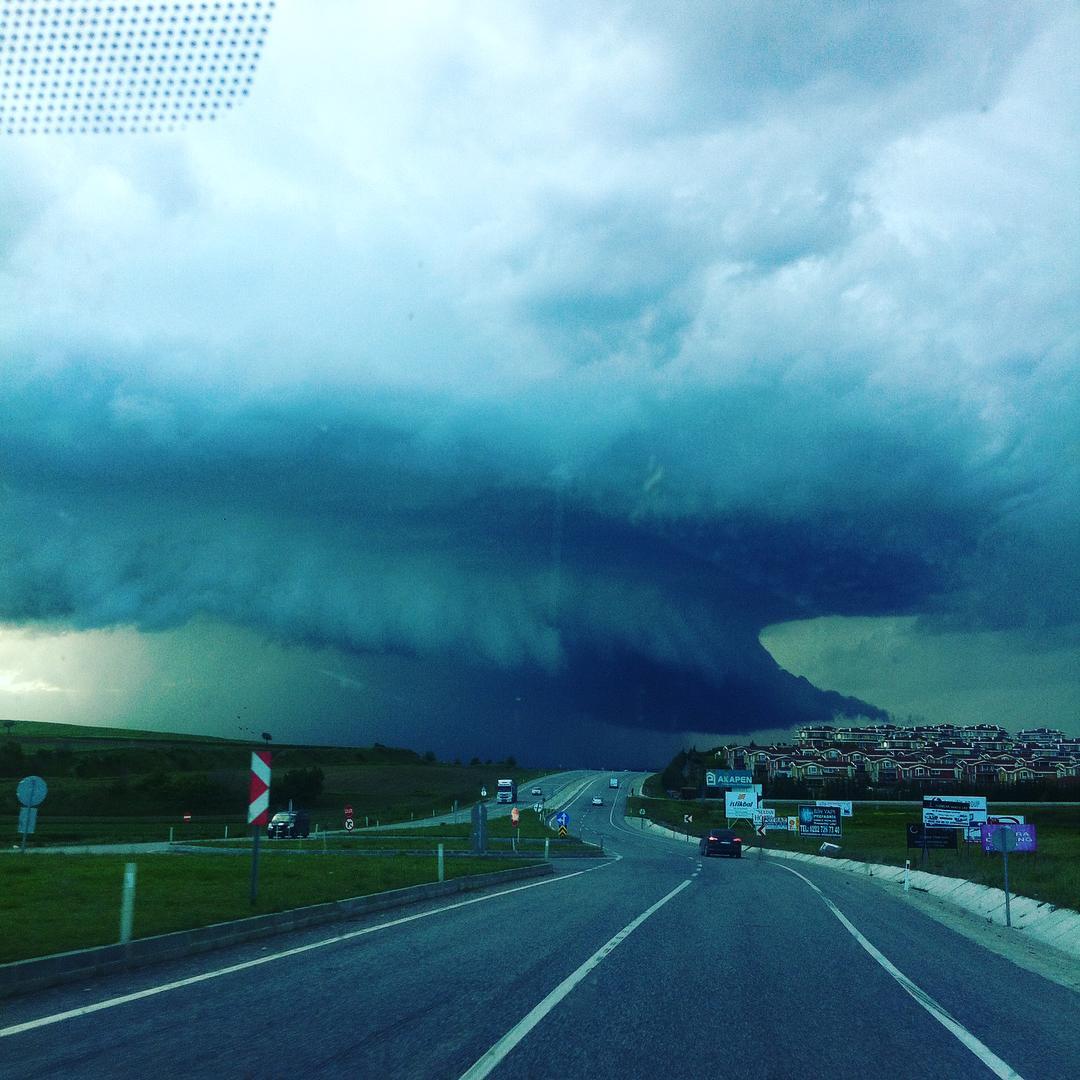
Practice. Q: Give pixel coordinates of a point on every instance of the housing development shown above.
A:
(885, 756)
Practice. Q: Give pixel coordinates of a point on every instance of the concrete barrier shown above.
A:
(24, 976)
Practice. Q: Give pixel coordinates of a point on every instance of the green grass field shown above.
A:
(157, 777)
(877, 834)
(54, 903)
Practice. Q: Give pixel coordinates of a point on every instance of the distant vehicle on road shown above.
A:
(613, 782)
(721, 842)
(506, 791)
(537, 791)
(289, 823)
(597, 801)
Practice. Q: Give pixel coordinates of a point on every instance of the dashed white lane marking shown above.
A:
(495, 1055)
(979, 1049)
(124, 999)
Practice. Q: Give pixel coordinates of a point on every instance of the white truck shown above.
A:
(506, 791)
(613, 782)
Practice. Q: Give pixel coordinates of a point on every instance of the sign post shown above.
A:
(127, 903)
(479, 828)
(31, 792)
(1004, 840)
(258, 811)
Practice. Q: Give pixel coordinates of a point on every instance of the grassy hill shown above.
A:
(115, 773)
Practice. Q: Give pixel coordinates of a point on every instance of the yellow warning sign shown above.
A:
(562, 830)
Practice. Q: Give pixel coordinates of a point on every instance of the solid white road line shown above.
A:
(124, 999)
(979, 1049)
(495, 1055)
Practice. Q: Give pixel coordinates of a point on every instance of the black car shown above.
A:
(721, 842)
(289, 823)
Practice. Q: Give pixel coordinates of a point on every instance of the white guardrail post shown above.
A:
(127, 903)
(442, 865)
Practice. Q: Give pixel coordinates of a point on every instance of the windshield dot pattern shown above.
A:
(91, 69)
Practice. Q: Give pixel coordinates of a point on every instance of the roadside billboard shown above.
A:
(741, 803)
(845, 807)
(782, 824)
(953, 811)
(819, 820)
(729, 778)
(1026, 837)
(923, 836)
(973, 833)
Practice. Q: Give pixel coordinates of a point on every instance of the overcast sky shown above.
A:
(494, 375)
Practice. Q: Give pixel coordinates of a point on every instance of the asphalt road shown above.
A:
(559, 789)
(654, 964)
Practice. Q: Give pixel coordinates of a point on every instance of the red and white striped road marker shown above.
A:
(259, 797)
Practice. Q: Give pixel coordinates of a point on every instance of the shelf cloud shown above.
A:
(564, 348)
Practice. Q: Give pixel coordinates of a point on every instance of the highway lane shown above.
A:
(744, 969)
(558, 788)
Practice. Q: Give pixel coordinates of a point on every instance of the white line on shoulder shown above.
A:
(979, 1049)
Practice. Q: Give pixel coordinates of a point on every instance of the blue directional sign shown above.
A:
(562, 818)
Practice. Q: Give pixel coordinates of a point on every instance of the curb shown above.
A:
(1055, 926)
(671, 834)
(24, 976)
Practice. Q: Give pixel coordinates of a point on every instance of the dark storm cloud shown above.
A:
(562, 350)
(334, 522)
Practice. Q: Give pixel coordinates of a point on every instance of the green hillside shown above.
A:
(96, 773)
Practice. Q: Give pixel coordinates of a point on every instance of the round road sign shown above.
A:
(348, 811)
(483, 793)
(349, 826)
(642, 811)
(1003, 839)
(31, 791)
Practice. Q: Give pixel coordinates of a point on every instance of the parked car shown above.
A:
(721, 842)
(597, 801)
(289, 823)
